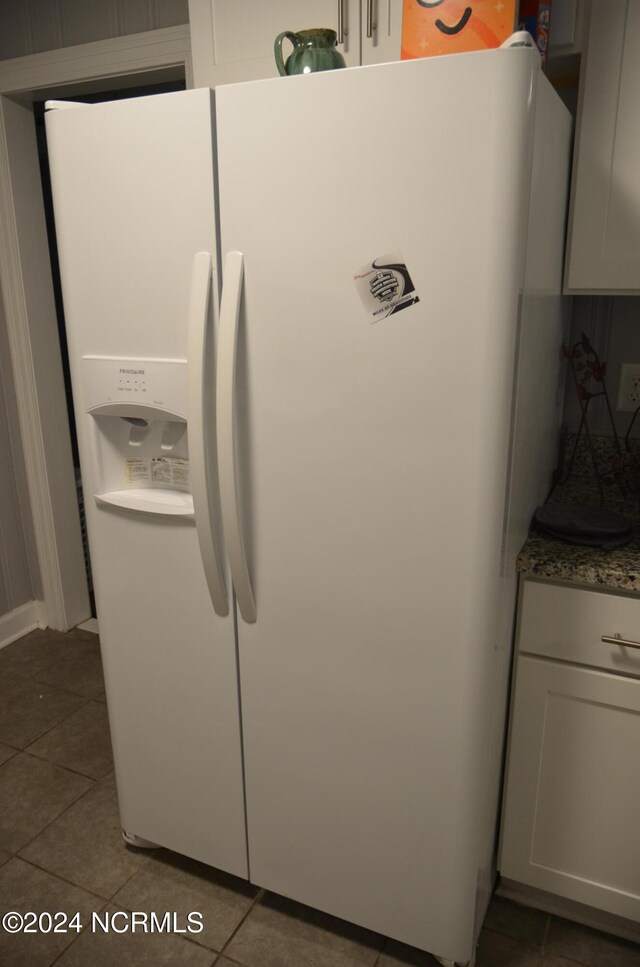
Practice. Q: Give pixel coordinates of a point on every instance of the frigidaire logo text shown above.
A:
(133, 372)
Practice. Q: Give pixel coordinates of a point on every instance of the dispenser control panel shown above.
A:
(132, 380)
(113, 383)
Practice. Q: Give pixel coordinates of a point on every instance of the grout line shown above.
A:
(77, 937)
(147, 853)
(14, 753)
(61, 688)
(385, 943)
(526, 944)
(65, 768)
(259, 895)
(64, 691)
(59, 816)
(63, 879)
(57, 765)
(31, 677)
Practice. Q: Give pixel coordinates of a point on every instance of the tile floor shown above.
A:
(61, 850)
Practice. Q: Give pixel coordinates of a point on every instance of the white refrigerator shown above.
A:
(314, 327)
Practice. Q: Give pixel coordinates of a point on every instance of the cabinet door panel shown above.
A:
(604, 238)
(382, 19)
(245, 30)
(573, 786)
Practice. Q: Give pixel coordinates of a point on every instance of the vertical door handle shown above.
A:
(198, 430)
(340, 30)
(225, 406)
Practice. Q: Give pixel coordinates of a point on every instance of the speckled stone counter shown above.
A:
(617, 570)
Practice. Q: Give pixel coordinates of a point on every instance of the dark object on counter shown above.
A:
(313, 50)
(591, 526)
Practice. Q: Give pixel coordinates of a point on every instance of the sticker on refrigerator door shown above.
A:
(385, 286)
(170, 471)
(137, 470)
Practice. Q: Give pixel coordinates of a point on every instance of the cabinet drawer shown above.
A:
(569, 623)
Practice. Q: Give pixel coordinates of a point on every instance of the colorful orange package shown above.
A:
(431, 27)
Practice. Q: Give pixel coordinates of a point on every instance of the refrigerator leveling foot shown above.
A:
(452, 963)
(132, 840)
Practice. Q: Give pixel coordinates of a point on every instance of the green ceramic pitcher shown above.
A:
(313, 50)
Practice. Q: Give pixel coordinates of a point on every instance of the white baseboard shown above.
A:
(90, 625)
(569, 909)
(21, 621)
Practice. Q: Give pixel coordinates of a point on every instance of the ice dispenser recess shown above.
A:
(137, 415)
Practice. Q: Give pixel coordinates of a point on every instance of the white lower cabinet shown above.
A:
(571, 823)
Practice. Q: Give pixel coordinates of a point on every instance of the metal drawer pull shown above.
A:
(371, 26)
(619, 640)
(341, 31)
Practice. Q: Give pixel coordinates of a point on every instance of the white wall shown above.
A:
(32, 26)
(624, 347)
(613, 325)
(19, 575)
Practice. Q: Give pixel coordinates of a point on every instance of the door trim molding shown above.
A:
(121, 56)
(37, 374)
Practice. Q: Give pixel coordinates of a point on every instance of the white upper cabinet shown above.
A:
(381, 30)
(232, 40)
(603, 253)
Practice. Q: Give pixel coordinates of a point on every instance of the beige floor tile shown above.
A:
(6, 751)
(280, 933)
(28, 709)
(82, 635)
(85, 845)
(134, 948)
(496, 950)
(23, 889)
(513, 920)
(397, 954)
(81, 743)
(78, 670)
(29, 654)
(32, 794)
(4, 856)
(173, 882)
(590, 947)
(551, 960)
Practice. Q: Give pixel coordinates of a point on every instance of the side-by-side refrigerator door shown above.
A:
(372, 245)
(133, 190)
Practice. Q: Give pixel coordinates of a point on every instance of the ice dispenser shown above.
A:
(137, 414)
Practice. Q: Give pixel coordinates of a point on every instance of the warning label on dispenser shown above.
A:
(385, 286)
(158, 471)
(136, 470)
(170, 471)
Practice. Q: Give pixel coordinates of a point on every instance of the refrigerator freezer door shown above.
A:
(380, 212)
(133, 186)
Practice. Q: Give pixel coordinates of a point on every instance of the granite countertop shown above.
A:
(618, 569)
